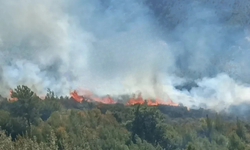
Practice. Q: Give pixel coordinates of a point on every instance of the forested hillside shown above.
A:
(62, 123)
(187, 59)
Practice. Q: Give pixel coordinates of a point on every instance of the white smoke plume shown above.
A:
(118, 47)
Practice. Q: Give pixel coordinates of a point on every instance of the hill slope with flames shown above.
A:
(177, 53)
(103, 124)
(88, 96)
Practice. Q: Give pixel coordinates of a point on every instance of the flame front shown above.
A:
(151, 103)
(108, 100)
(158, 101)
(12, 98)
(133, 100)
(88, 96)
(76, 97)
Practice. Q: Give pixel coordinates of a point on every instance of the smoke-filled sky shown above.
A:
(119, 47)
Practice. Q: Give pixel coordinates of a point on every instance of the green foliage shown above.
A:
(49, 104)
(122, 113)
(4, 118)
(23, 143)
(143, 145)
(241, 130)
(235, 142)
(149, 125)
(12, 125)
(61, 123)
(5, 142)
(218, 124)
(209, 127)
(22, 92)
(27, 106)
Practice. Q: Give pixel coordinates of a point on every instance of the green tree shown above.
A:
(209, 127)
(4, 119)
(49, 105)
(149, 125)
(235, 142)
(27, 105)
(218, 124)
(190, 146)
(241, 130)
(5, 142)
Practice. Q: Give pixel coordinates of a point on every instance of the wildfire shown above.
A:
(88, 96)
(158, 101)
(151, 103)
(12, 98)
(76, 97)
(108, 100)
(133, 100)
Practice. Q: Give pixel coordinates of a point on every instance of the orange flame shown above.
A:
(133, 100)
(76, 97)
(108, 100)
(158, 101)
(169, 102)
(87, 96)
(151, 103)
(12, 98)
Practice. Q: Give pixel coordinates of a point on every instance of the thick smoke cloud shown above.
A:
(117, 47)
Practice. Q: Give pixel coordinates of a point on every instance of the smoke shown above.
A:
(217, 93)
(118, 47)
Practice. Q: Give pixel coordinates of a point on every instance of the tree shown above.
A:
(235, 142)
(190, 146)
(149, 125)
(4, 119)
(27, 105)
(218, 124)
(240, 131)
(49, 105)
(209, 127)
(5, 141)
(22, 92)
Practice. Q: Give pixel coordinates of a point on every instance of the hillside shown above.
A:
(125, 75)
(63, 123)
